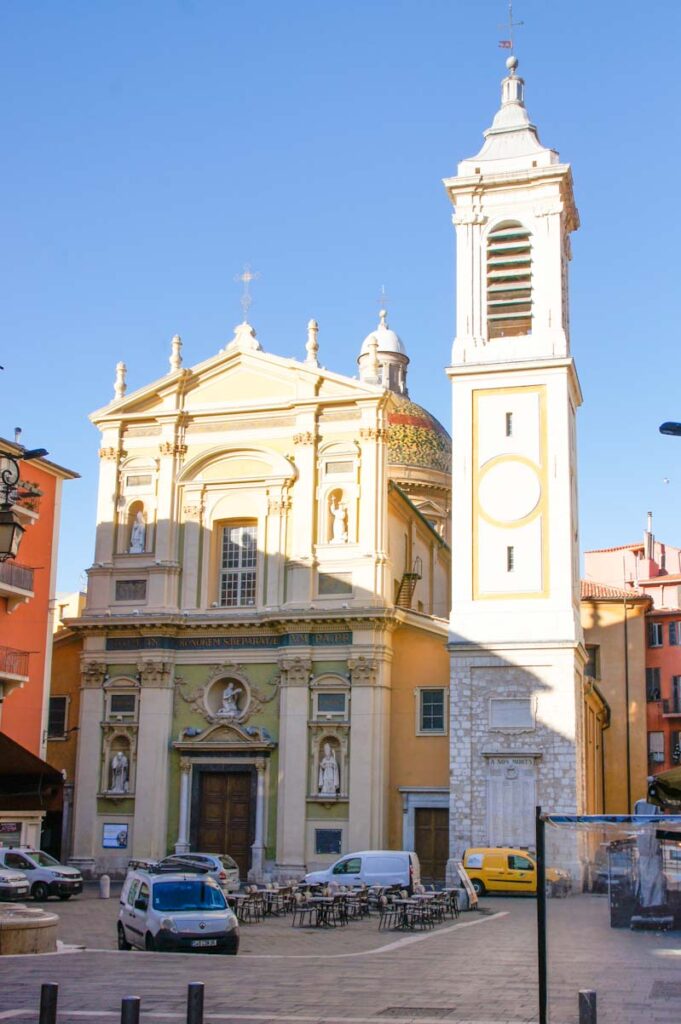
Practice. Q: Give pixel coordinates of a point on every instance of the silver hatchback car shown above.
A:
(175, 911)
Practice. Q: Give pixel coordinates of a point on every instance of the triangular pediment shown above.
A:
(237, 380)
(227, 736)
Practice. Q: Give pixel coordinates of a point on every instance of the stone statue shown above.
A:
(229, 707)
(138, 535)
(119, 773)
(339, 533)
(329, 775)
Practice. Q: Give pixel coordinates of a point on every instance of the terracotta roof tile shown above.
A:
(592, 590)
(636, 546)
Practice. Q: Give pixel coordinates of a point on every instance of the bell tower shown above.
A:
(515, 636)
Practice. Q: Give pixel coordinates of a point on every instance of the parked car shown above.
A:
(507, 869)
(178, 911)
(220, 867)
(372, 867)
(46, 876)
(13, 884)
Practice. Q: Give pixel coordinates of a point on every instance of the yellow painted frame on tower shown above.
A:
(541, 508)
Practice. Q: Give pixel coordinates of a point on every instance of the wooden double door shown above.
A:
(431, 841)
(226, 818)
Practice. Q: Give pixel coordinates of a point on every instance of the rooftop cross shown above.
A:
(508, 44)
(246, 276)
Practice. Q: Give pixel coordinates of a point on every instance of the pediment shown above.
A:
(226, 736)
(241, 380)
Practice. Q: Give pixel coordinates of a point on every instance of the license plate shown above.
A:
(204, 942)
(22, 892)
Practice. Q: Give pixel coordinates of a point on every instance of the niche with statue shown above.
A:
(117, 762)
(329, 766)
(337, 518)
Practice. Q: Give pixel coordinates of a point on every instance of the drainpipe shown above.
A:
(626, 697)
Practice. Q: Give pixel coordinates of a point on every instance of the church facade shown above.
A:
(517, 653)
(264, 669)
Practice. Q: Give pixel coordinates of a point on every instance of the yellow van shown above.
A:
(505, 869)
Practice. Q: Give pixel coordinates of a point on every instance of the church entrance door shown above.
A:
(225, 818)
(431, 841)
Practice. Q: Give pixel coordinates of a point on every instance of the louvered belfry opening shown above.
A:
(509, 281)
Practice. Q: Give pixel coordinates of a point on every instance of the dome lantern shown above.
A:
(384, 345)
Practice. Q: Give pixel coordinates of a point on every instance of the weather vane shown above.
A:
(245, 277)
(508, 44)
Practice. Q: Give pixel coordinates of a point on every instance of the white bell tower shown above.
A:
(515, 636)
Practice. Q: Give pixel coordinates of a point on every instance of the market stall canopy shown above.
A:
(26, 782)
(665, 790)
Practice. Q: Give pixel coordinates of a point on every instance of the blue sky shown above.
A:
(150, 149)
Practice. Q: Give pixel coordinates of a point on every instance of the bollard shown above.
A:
(130, 1010)
(104, 887)
(587, 1007)
(48, 1003)
(195, 1002)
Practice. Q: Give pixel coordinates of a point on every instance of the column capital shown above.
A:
(155, 673)
(295, 671)
(363, 670)
(185, 765)
(304, 438)
(260, 765)
(93, 674)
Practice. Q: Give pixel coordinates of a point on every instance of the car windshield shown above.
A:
(193, 894)
(227, 862)
(43, 859)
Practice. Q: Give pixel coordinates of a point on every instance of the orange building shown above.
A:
(27, 590)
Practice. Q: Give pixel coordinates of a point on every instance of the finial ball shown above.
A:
(511, 63)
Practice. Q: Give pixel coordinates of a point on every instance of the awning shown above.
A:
(665, 790)
(27, 783)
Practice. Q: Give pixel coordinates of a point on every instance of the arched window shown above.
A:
(509, 281)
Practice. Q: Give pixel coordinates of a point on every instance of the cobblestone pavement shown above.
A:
(479, 970)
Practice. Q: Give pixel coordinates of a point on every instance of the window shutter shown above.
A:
(509, 281)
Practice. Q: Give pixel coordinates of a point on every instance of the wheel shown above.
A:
(40, 892)
(65, 896)
(122, 941)
(149, 943)
(478, 886)
(233, 949)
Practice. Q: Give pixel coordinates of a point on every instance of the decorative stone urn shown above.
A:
(27, 929)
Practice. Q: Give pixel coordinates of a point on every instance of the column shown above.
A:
(182, 844)
(258, 848)
(152, 769)
(193, 515)
(300, 582)
(369, 752)
(293, 765)
(86, 846)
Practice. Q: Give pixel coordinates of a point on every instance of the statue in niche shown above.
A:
(119, 773)
(138, 535)
(339, 528)
(329, 774)
(229, 707)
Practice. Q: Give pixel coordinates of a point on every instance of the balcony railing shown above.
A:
(14, 575)
(671, 707)
(13, 663)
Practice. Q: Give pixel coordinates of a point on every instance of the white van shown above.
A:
(372, 867)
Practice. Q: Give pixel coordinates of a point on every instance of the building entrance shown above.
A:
(431, 841)
(225, 816)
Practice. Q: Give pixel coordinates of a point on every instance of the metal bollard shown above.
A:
(587, 1007)
(195, 1002)
(48, 1003)
(130, 1010)
(104, 887)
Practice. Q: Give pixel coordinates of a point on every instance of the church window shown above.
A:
(238, 566)
(510, 558)
(509, 424)
(509, 281)
(431, 711)
(331, 704)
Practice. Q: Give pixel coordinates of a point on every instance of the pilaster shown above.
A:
(153, 763)
(293, 760)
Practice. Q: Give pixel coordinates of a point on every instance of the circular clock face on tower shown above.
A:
(509, 491)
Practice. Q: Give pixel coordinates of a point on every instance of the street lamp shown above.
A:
(11, 530)
(671, 428)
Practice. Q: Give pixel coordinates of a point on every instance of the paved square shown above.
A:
(481, 968)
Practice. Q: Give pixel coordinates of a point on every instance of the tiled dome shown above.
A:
(415, 438)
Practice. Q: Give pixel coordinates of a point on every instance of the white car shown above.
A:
(175, 911)
(46, 876)
(13, 884)
(219, 866)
